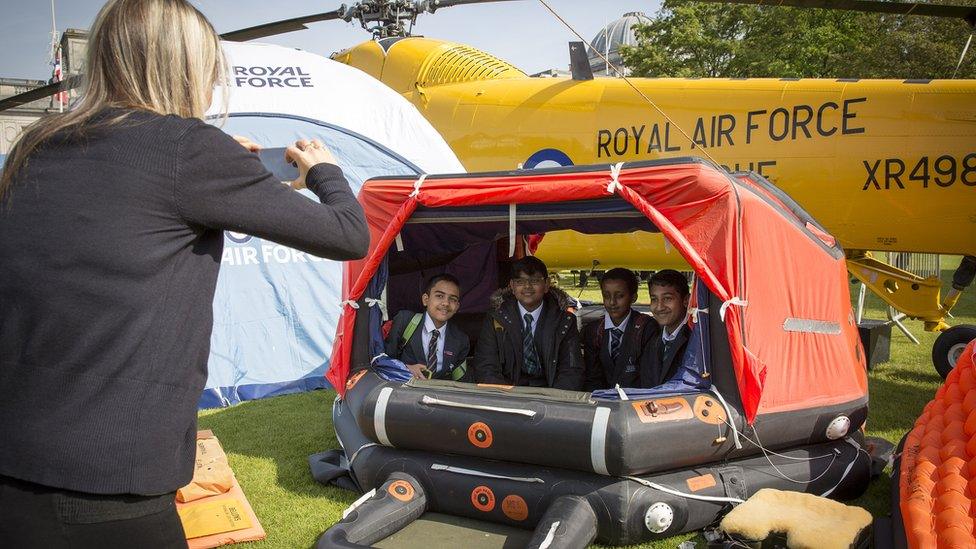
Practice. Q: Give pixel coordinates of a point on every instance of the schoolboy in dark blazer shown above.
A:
(528, 337)
(428, 344)
(669, 305)
(613, 347)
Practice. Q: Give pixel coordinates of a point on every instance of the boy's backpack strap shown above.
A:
(459, 371)
(409, 330)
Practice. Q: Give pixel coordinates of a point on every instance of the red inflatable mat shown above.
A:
(938, 464)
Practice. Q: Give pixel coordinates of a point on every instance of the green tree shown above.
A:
(696, 39)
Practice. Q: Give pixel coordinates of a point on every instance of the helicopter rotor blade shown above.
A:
(966, 13)
(286, 25)
(69, 83)
(430, 6)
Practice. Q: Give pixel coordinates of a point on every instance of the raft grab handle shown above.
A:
(450, 403)
(474, 473)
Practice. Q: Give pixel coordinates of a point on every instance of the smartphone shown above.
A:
(274, 160)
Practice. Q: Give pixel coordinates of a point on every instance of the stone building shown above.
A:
(12, 121)
(609, 40)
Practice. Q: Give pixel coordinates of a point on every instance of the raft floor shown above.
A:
(439, 530)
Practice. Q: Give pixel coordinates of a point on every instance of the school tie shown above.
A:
(615, 335)
(432, 351)
(530, 358)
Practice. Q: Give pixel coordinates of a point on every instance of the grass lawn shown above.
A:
(269, 440)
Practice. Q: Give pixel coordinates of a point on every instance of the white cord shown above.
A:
(963, 55)
(417, 184)
(849, 467)
(674, 492)
(693, 312)
(351, 302)
(728, 413)
(726, 304)
(614, 178)
(783, 475)
(550, 537)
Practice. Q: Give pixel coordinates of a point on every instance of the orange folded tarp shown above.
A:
(214, 509)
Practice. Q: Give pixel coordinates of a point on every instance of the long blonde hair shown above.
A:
(161, 56)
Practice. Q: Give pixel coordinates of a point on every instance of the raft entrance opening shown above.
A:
(477, 243)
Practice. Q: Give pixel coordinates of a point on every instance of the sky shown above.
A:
(521, 32)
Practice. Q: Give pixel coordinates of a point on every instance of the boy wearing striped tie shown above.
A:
(427, 343)
(529, 338)
(613, 347)
(670, 296)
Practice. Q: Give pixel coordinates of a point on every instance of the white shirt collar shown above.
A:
(429, 326)
(665, 336)
(535, 315)
(609, 325)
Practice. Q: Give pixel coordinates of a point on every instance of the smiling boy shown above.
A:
(613, 347)
(528, 337)
(669, 305)
(437, 349)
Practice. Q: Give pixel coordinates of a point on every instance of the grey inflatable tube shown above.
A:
(572, 508)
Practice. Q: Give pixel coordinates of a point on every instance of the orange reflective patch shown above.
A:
(483, 499)
(351, 382)
(515, 508)
(709, 411)
(495, 386)
(663, 409)
(402, 490)
(700, 483)
(479, 434)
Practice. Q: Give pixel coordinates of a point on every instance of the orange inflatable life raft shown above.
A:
(937, 472)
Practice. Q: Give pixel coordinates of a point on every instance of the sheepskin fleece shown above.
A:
(808, 521)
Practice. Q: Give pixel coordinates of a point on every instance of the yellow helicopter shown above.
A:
(884, 165)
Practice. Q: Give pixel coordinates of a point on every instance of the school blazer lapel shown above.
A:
(511, 311)
(452, 346)
(417, 343)
(609, 368)
(626, 347)
(677, 344)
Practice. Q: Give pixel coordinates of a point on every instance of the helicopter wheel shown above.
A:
(949, 346)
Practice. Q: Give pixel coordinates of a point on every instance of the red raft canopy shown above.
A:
(781, 278)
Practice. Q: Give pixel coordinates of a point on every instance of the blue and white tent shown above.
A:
(276, 309)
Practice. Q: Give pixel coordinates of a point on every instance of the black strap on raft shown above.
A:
(332, 467)
(569, 523)
(398, 502)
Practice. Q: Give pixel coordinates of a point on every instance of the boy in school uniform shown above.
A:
(613, 347)
(528, 337)
(669, 305)
(427, 343)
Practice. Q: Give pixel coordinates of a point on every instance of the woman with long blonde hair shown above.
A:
(111, 234)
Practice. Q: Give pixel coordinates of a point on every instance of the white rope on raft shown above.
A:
(615, 185)
(693, 312)
(417, 184)
(738, 301)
